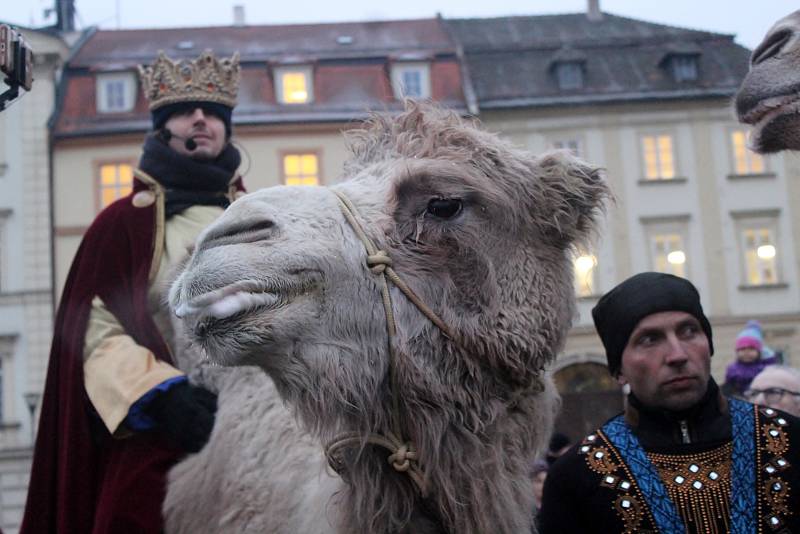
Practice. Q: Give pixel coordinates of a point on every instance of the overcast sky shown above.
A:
(747, 19)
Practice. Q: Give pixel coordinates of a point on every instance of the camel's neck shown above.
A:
(476, 483)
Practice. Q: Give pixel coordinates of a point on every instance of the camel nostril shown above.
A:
(243, 232)
(771, 46)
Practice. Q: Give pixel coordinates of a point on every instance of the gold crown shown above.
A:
(205, 79)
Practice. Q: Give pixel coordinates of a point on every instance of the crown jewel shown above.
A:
(205, 79)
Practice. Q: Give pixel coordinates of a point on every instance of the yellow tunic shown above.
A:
(117, 371)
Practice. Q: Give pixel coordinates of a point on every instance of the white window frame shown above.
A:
(660, 171)
(754, 221)
(662, 247)
(311, 152)
(306, 71)
(126, 81)
(117, 187)
(421, 68)
(673, 227)
(751, 159)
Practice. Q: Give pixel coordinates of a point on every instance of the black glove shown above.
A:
(184, 414)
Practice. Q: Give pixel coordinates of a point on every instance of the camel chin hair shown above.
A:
(280, 313)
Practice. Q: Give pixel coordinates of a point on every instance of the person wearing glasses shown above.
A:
(682, 457)
(777, 386)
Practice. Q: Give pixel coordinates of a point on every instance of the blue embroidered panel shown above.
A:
(743, 472)
(743, 475)
(655, 494)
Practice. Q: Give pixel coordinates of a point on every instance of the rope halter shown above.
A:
(404, 455)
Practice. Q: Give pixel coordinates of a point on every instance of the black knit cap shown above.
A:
(619, 311)
(162, 114)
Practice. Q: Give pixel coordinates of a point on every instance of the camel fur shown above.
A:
(769, 97)
(484, 233)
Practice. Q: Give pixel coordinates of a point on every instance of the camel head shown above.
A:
(769, 98)
(483, 234)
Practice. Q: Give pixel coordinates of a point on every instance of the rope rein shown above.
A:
(404, 456)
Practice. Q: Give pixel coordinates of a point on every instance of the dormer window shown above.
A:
(681, 62)
(411, 80)
(684, 68)
(569, 75)
(116, 92)
(293, 85)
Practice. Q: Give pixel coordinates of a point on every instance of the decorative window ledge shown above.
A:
(10, 425)
(753, 176)
(662, 181)
(751, 287)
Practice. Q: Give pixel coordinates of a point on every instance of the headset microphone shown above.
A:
(188, 142)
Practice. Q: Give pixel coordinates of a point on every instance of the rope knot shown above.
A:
(401, 458)
(378, 262)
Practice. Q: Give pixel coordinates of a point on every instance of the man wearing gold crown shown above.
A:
(116, 413)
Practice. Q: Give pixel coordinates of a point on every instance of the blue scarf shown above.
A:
(743, 477)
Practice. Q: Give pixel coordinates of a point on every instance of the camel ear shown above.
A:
(573, 197)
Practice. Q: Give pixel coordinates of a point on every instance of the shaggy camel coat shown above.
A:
(484, 234)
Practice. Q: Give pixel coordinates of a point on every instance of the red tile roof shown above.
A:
(263, 43)
(350, 62)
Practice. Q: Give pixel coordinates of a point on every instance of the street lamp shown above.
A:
(32, 400)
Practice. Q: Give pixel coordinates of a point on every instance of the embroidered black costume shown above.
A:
(636, 474)
(682, 458)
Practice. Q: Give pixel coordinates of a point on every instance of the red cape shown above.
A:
(83, 480)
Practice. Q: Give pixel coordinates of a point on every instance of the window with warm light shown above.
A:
(668, 254)
(116, 181)
(658, 156)
(300, 169)
(585, 270)
(294, 85)
(745, 161)
(760, 256)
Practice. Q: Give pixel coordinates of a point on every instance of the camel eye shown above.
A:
(444, 208)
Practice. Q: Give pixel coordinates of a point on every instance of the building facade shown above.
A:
(648, 103)
(26, 306)
(651, 105)
(301, 86)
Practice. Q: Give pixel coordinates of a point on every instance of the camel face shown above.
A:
(769, 98)
(479, 230)
(263, 276)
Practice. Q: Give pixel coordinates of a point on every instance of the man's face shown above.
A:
(779, 389)
(207, 131)
(667, 361)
